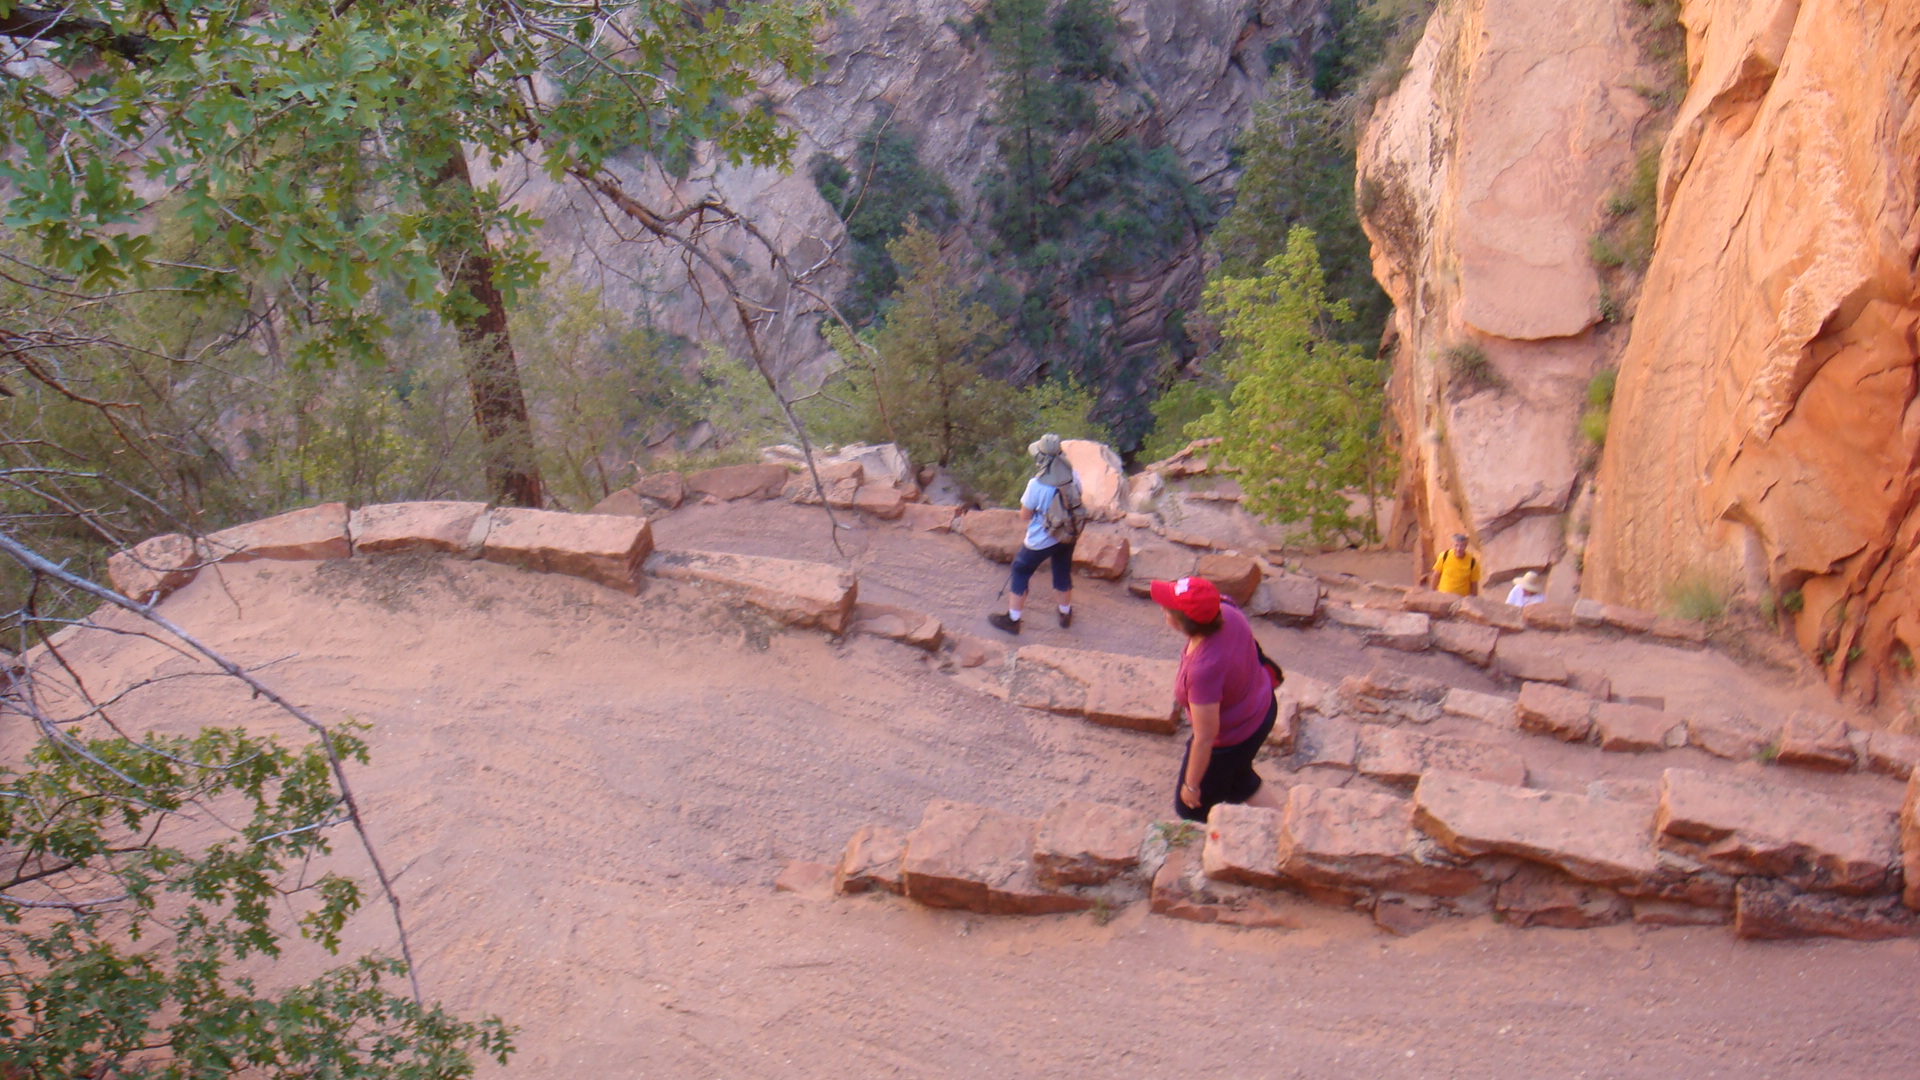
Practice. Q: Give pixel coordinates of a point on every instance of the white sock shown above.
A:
(1014, 615)
(1066, 609)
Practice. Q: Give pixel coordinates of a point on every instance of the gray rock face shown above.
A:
(1196, 69)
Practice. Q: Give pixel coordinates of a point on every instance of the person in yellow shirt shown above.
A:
(1455, 571)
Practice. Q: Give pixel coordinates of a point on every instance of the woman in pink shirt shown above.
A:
(1228, 695)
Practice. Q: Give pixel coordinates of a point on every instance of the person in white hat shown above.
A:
(1053, 515)
(1529, 588)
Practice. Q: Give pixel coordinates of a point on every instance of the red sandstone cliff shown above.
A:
(1766, 429)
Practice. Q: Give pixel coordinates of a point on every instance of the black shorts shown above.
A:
(1029, 560)
(1229, 776)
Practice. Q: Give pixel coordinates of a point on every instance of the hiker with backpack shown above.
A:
(1456, 571)
(1054, 515)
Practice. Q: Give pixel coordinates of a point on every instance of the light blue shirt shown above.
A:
(1037, 498)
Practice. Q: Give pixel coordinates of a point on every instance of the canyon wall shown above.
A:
(1194, 72)
(1482, 177)
(1766, 431)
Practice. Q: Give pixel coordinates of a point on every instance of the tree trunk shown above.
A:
(479, 316)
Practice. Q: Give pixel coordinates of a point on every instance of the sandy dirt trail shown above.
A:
(588, 797)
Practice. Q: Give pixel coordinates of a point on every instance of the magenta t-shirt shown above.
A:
(1225, 668)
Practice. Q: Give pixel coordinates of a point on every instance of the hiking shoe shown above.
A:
(1066, 619)
(1000, 621)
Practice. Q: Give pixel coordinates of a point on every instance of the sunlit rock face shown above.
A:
(1766, 429)
(1482, 177)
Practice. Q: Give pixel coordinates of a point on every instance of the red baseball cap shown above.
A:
(1194, 597)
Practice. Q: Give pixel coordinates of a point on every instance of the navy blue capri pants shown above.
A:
(1029, 560)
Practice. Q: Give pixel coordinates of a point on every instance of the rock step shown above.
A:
(794, 593)
(1106, 688)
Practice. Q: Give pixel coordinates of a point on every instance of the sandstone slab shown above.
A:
(1102, 553)
(1632, 728)
(927, 517)
(1548, 615)
(316, 532)
(432, 526)
(1431, 602)
(1537, 896)
(1487, 611)
(1087, 843)
(153, 568)
(1546, 709)
(1675, 913)
(1181, 891)
(980, 859)
(884, 501)
(622, 503)
(1243, 845)
(1531, 658)
(601, 548)
(1688, 631)
(1804, 838)
(997, 534)
(1892, 755)
(1330, 741)
(792, 592)
(1469, 641)
(1103, 479)
(1161, 562)
(840, 482)
(1342, 839)
(1730, 735)
(1589, 614)
(730, 482)
(1293, 598)
(669, 489)
(1236, 576)
(1768, 910)
(1595, 840)
(905, 625)
(1407, 631)
(1398, 756)
(1813, 741)
(1490, 709)
(1106, 688)
(1626, 619)
(871, 861)
(813, 880)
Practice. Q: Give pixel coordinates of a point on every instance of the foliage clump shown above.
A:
(876, 194)
(1470, 371)
(1697, 595)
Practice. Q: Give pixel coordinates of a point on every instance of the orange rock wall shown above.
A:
(1482, 176)
(1766, 426)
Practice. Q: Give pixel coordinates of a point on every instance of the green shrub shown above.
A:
(1697, 595)
(1604, 253)
(1469, 371)
(1793, 601)
(1600, 388)
(1593, 424)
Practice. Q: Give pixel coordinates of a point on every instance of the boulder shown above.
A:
(1398, 756)
(884, 463)
(1293, 598)
(433, 526)
(997, 534)
(1595, 840)
(1236, 576)
(1768, 910)
(980, 859)
(1632, 728)
(1363, 619)
(1490, 709)
(1243, 845)
(1103, 480)
(1087, 843)
(871, 861)
(1910, 842)
(1143, 493)
(153, 568)
(601, 548)
(731, 482)
(926, 517)
(1332, 741)
(841, 480)
(884, 501)
(1629, 620)
(1106, 688)
(1487, 611)
(1548, 615)
(1813, 841)
(905, 625)
(1407, 631)
(1341, 839)
(622, 503)
(317, 532)
(1589, 614)
(792, 592)
(1730, 735)
(1469, 641)
(1555, 710)
(1537, 896)
(669, 489)
(1892, 755)
(1161, 562)
(1439, 605)
(1813, 741)
(1530, 657)
(1102, 553)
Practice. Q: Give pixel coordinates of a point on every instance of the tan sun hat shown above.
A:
(1532, 581)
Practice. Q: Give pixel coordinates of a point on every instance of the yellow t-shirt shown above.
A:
(1456, 574)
